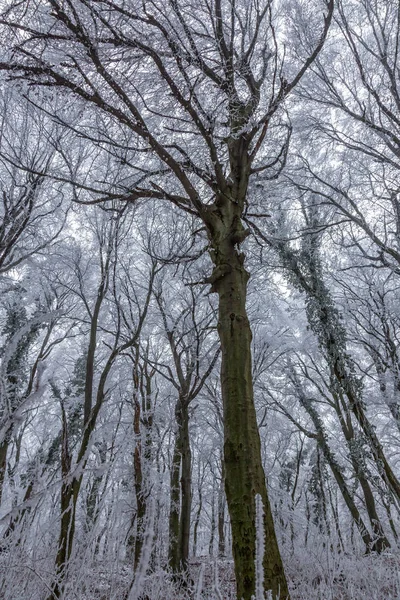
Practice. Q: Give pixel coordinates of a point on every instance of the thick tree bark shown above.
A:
(244, 474)
(69, 498)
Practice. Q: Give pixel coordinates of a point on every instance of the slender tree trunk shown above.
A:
(173, 549)
(380, 542)
(336, 471)
(293, 494)
(197, 523)
(221, 515)
(335, 513)
(244, 473)
(69, 497)
(70, 491)
(308, 519)
(212, 525)
(186, 488)
(142, 426)
(3, 465)
(322, 521)
(92, 502)
(349, 500)
(324, 321)
(356, 405)
(391, 398)
(181, 491)
(387, 506)
(139, 491)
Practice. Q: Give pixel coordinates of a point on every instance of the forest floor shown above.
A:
(311, 575)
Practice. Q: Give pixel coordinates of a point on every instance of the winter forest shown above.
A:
(199, 299)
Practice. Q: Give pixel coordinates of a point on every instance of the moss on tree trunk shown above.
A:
(244, 473)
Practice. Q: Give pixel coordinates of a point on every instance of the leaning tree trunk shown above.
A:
(3, 463)
(380, 543)
(335, 468)
(244, 474)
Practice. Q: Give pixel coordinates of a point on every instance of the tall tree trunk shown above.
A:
(186, 488)
(345, 380)
(173, 548)
(391, 398)
(142, 429)
(244, 473)
(70, 489)
(139, 487)
(347, 497)
(69, 496)
(380, 542)
(335, 512)
(336, 470)
(93, 498)
(212, 524)
(181, 491)
(324, 321)
(221, 514)
(197, 522)
(3, 462)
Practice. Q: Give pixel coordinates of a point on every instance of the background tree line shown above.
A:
(199, 261)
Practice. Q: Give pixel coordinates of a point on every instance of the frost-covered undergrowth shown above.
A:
(344, 577)
(313, 575)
